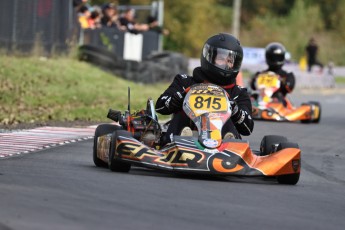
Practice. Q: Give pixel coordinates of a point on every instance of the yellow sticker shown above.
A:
(268, 80)
(266, 99)
(316, 112)
(216, 135)
(201, 104)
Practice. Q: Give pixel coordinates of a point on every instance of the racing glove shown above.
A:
(237, 115)
(234, 108)
(176, 101)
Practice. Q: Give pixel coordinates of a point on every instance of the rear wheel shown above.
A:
(290, 179)
(316, 111)
(114, 163)
(285, 145)
(270, 143)
(101, 130)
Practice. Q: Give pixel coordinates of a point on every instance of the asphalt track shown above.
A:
(60, 188)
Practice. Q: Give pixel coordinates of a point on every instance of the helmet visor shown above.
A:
(222, 58)
(275, 58)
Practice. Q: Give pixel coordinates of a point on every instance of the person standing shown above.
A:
(153, 23)
(312, 52)
(110, 17)
(127, 20)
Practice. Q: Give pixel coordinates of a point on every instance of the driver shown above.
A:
(221, 60)
(275, 59)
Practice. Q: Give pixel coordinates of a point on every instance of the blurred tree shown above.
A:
(192, 22)
(254, 8)
(101, 2)
(329, 11)
(121, 2)
(299, 27)
(141, 2)
(340, 26)
(292, 30)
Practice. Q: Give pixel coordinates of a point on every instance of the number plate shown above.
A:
(268, 80)
(201, 103)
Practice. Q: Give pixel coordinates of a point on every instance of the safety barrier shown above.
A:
(124, 45)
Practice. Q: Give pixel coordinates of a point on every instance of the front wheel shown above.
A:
(270, 143)
(316, 112)
(114, 163)
(101, 130)
(290, 179)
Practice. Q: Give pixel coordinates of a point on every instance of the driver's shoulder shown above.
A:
(183, 79)
(238, 90)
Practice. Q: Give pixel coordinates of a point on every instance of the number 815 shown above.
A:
(215, 103)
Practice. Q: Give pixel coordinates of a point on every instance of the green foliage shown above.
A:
(340, 80)
(101, 2)
(259, 8)
(106, 41)
(293, 30)
(192, 22)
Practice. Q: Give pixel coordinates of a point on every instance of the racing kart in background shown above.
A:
(268, 104)
(135, 140)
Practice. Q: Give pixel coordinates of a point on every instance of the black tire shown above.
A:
(285, 145)
(114, 164)
(101, 130)
(269, 144)
(290, 179)
(317, 120)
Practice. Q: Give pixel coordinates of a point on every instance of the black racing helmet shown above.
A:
(221, 58)
(275, 55)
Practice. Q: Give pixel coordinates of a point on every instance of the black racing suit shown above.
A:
(240, 123)
(287, 83)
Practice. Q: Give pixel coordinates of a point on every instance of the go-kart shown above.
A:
(135, 140)
(269, 104)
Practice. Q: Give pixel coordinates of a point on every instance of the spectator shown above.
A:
(331, 68)
(94, 20)
(312, 51)
(83, 17)
(79, 3)
(127, 20)
(154, 26)
(110, 17)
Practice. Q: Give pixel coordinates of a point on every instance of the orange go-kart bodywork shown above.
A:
(276, 111)
(185, 155)
(269, 104)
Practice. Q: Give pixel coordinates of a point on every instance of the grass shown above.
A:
(63, 89)
(340, 80)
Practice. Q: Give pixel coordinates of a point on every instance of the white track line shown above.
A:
(26, 141)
